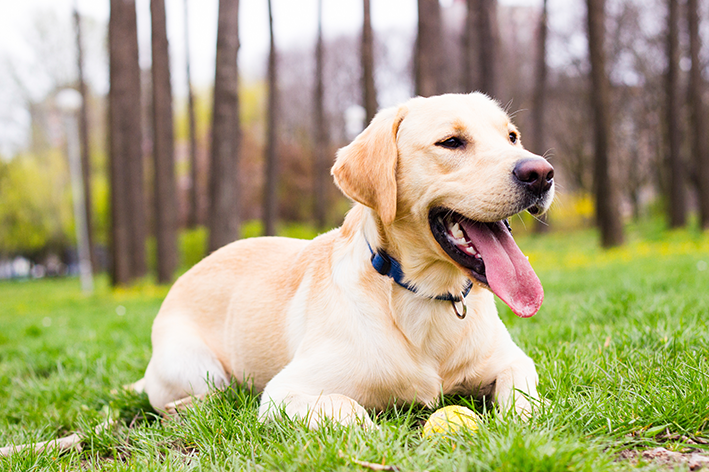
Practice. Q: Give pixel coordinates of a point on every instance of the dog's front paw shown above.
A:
(516, 388)
(518, 401)
(316, 411)
(339, 409)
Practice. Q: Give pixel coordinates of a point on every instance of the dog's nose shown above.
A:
(535, 174)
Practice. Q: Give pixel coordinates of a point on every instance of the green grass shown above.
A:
(620, 346)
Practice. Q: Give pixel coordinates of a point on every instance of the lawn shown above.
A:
(621, 346)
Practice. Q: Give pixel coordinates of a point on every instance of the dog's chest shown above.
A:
(424, 358)
(411, 376)
(379, 349)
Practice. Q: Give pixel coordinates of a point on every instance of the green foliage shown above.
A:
(35, 204)
(252, 98)
(193, 242)
(297, 230)
(151, 254)
(101, 204)
(193, 246)
(203, 116)
(251, 229)
(254, 228)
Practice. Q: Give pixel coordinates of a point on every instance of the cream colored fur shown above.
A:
(314, 327)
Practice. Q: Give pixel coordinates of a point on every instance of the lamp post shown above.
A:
(69, 101)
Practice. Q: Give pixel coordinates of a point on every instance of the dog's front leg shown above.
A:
(516, 385)
(286, 394)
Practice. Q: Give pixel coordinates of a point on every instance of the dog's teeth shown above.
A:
(472, 251)
(457, 233)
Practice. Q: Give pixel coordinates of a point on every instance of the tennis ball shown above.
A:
(449, 419)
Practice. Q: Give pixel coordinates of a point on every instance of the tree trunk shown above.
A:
(368, 86)
(192, 216)
(700, 157)
(320, 173)
(486, 16)
(84, 141)
(126, 160)
(676, 201)
(469, 80)
(428, 57)
(163, 148)
(270, 197)
(607, 215)
(538, 141)
(224, 195)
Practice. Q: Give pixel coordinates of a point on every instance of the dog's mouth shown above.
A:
(488, 253)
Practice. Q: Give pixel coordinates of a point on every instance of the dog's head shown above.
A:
(442, 174)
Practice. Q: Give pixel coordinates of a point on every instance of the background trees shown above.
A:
(607, 215)
(163, 147)
(697, 126)
(320, 167)
(429, 54)
(84, 142)
(270, 196)
(128, 225)
(535, 59)
(369, 91)
(676, 207)
(193, 202)
(484, 13)
(224, 185)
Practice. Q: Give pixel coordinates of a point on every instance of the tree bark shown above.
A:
(192, 216)
(700, 157)
(84, 140)
(368, 87)
(320, 173)
(224, 196)
(428, 57)
(469, 81)
(270, 197)
(607, 214)
(163, 148)
(126, 160)
(538, 141)
(677, 212)
(486, 16)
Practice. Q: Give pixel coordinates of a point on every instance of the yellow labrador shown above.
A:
(396, 305)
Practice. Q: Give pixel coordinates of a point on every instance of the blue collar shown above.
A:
(387, 265)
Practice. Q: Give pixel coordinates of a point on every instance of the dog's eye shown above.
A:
(513, 137)
(451, 143)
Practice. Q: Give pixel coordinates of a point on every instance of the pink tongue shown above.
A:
(508, 272)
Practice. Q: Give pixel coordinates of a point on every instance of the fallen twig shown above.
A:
(369, 465)
(375, 466)
(66, 443)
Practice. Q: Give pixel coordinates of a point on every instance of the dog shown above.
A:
(394, 307)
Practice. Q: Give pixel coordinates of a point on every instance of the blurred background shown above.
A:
(194, 123)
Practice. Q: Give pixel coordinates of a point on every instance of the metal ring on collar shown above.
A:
(465, 307)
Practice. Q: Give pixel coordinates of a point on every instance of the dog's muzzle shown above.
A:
(536, 176)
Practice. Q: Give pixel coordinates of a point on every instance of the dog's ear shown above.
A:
(365, 170)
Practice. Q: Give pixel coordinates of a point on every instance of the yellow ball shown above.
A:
(449, 419)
